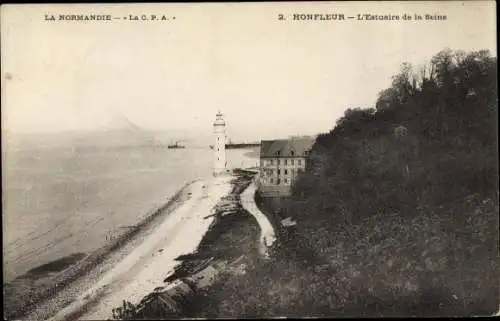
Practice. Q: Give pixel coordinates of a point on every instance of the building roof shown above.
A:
(285, 147)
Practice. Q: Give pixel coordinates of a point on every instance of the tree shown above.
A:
(403, 87)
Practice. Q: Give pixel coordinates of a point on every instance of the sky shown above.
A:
(270, 78)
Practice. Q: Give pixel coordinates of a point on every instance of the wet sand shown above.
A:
(146, 265)
(87, 278)
(77, 272)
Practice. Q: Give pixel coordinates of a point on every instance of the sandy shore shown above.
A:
(151, 259)
(139, 266)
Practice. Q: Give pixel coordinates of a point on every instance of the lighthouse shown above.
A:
(220, 144)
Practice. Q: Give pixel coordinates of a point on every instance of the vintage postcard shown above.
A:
(244, 160)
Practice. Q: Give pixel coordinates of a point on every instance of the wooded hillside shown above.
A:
(397, 211)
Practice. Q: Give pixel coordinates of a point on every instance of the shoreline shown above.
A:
(153, 258)
(226, 208)
(93, 263)
(227, 247)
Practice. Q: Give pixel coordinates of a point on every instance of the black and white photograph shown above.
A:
(242, 160)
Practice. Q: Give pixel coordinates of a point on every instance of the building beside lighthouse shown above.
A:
(280, 163)
(220, 144)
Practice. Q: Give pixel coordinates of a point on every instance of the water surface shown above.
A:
(62, 200)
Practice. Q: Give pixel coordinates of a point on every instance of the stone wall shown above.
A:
(274, 190)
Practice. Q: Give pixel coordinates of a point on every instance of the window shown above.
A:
(292, 153)
(278, 181)
(286, 172)
(291, 160)
(278, 171)
(272, 162)
(286, 162)
(286, 181)
(278, 161)
(300, 162)
(272, 181)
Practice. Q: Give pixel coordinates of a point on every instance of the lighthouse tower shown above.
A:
(220, 144)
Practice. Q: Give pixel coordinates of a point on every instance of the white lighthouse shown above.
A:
(220, 144)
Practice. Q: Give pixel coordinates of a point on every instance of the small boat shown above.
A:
(176, 145)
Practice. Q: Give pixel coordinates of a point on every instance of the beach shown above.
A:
(142, 191)
(151, 261)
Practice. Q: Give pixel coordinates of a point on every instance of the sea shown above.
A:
(62, 199)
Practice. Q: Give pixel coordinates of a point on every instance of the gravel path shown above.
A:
(267, 235)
